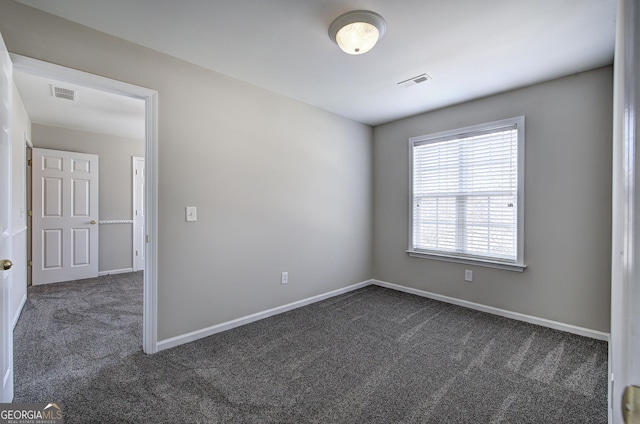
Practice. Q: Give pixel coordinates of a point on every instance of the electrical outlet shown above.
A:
(468, 275)
(284, 278)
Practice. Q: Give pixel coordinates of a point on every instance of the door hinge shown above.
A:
(148, 239)
(30, 162)
(631, 405)
(29, 213)
(30, 263)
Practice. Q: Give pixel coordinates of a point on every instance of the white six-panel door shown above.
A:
(65, 216)
(6, 325)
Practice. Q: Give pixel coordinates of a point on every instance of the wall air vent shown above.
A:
(414, 80)
(63, 93)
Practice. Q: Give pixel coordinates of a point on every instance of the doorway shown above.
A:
(149, 97)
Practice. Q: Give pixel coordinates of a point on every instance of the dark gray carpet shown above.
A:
(370, 356)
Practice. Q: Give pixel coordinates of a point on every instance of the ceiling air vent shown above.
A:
(63, 93)
(414, 80)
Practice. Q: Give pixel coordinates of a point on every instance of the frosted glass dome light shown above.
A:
(358, 31)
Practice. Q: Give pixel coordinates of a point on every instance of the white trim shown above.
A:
(468, 261)
(115, 271)
(27, 141)
(519, 264)
(116, 221)
(137, 233)
(150, 329)
(209, 331)
(7, 376)
(581, 331)
(62, 73)
(150, 97)
(218, 328)
(19, 230)
(19, 310)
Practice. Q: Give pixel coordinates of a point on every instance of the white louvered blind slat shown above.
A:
(465, 194)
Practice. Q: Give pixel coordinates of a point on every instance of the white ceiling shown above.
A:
(93, 110)
(470, 48)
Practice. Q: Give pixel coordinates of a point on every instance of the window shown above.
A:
(467, 195)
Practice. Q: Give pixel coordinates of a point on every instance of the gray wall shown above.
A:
(116, 193)
(567, 203)
(279, 185)
(283, 186)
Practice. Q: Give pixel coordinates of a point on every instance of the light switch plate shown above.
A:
(191, 214)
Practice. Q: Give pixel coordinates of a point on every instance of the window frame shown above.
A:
(518, 264)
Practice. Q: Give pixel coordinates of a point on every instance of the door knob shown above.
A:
(93, 222)
(6, 264)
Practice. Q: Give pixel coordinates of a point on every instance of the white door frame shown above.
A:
(624, 349)
(138, 204)
(150, 97)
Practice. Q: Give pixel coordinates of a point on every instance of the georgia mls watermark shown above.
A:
(31, 413)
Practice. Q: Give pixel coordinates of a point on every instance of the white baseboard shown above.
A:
(599, 335)
(209, 331)
(19, 310)
(115, 271)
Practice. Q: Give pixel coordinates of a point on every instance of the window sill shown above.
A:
(468, 261)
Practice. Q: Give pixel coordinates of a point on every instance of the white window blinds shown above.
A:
(465, 189)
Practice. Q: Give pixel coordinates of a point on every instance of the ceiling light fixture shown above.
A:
(356, 32)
